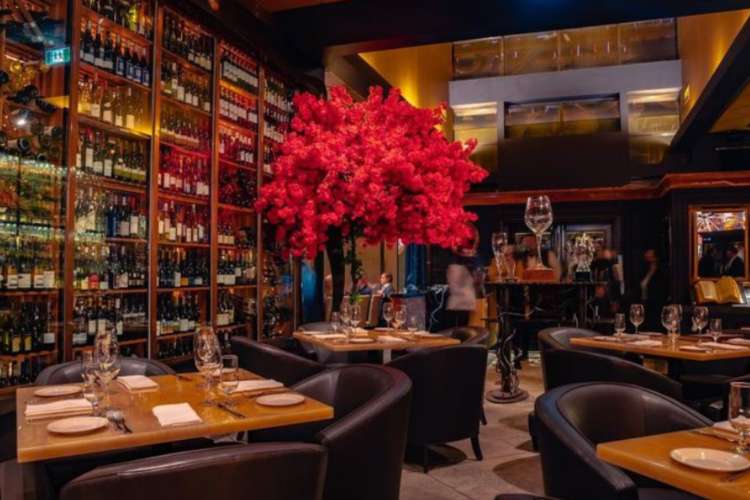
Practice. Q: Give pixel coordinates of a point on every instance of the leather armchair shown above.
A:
(468, 334)
(448, 386)
(274, 471)
(573, 419)
(66, 373)
(272, 362)
(559, 337)
(367, 438)
(566, 366)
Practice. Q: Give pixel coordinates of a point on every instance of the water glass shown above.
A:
(637, 315)
(399, 318)
(230, 374)
(670, 321)
(345, 313)
(538, 218)
(356, 313)
(107, 362)
(388, 312)
(415, 323)
(207, 354)
(715, 329)
(619, 325)
(739, 413)
(335, 322)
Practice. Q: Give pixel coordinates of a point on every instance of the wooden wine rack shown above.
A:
(64, 80)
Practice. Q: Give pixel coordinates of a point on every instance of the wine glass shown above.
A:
(414, 323)
(700, 318)
(669, 318)
(335, 322)
(715, 329)
(345, 314)
(619, 325)
(107, 361)
(90, 387)
(499, 242)
(637, 315)
(388, 312)
(739, 413)
(230, 374)
(207, 353)
(538, 218)
(399, 318)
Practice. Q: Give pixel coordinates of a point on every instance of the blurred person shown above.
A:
(653, 289)
(735, 265)
(386, 286)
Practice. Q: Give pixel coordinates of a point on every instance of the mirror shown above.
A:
(719, 242)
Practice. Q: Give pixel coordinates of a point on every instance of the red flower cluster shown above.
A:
(378, 167)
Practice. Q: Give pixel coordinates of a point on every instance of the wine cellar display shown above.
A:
(129, 178)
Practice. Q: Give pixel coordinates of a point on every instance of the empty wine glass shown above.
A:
(700, 318)
(388, 312)
(739, 413)
(670, 321)
(715, 329)
(230, 374)
(499, 242)
(90, 388)
(414, 323)
(538, 218)
(637, 315)
(107, 361)
(356, 317)
(207, 353)
(335, 322)
(619, 325)
(399, 318)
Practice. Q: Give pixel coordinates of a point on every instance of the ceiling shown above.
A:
(322, 27)
(737, 115)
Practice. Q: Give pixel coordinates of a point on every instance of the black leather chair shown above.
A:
(66, 373)
(448, 387)
(274, 471)
(559, 337)
(573, 419)
(272, 362)
(566, 366)
(366, 438)
(521, 496)
(319, 326)
(468, 334)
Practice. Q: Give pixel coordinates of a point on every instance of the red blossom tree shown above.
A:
(377, 169)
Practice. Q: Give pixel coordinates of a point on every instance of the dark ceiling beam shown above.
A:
(356, 73)
(345, 26)
(727, 82)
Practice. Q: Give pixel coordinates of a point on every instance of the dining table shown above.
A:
(383, 340)
(222, 414)
(650, 456)
(687, 348)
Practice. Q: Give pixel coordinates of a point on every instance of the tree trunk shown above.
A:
(335, 249)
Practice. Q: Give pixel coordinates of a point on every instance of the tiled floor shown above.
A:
(509, 465)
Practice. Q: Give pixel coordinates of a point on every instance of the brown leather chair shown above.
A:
(273, 471)
(272, 362)
(66, 373)
(574, 419)
(476, 335)
(559, 337)
(366, 439)
(448, 386)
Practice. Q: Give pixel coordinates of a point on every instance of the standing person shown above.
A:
(386, 286)
(654, 289)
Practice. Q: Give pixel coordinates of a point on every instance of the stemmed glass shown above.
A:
(207, 353)
(414, 323)
(388, 313)
(715, 329)
(637, 315)
(107, 362)
(89, 368)
(230, 375)
(739, 413)
(399, 318)
(499, 242)
(700, 318)
(345, 314)
(335, 322)
(356, 316)
(670, 320)
(619, 325)
(538, 218)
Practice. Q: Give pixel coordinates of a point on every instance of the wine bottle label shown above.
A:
(96, 110)
(159, 329)
(91, 327)
(237, 271)
(98, 167)
(201, 232)
(79, 338)
(172, 233)
(78, 160)
(161, 226)
(107, 167)
(11, 281)
(199, 281)
(177, 278)
(118, 120)
(119, 329)
(124, 228)
(134, 219)
(101, 326)
(180, 93)
(24, 280)
(103, 285)
(184, 326)
(89, 157)
(39, 281)
(49, 279)
(130, 121)
(123, 281)
(107, 115)
(48, 338)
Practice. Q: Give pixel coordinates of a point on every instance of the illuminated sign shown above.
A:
(60, 55)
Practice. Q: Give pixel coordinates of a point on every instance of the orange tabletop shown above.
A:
(36, 443)
(649, 456)
(409, 342)
(666, 350)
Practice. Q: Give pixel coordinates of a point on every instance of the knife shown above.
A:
(278, 390)
(229, 410)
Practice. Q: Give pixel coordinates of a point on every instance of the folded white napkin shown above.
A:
(739, 341)
(137, 382)
(176, 414)
(427, 334)
(256, 385)
(606, 338)
(62, 408)
(648, 343)
(724, 425)
(388, 338)
(729, 347)
(331, 336)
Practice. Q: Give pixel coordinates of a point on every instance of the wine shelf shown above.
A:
(176, 360)
(114, 291)
(191, 66)
(123, 343)
(184, 245)
(27, 355)
(236, 89)
(186, 150)
(113, 27)
(183, 198)
(183, 289)
(113, 129)
(177, 335)
(91, 70)
(235, 208)
(110, 184)
(184, 106)
(237, 127)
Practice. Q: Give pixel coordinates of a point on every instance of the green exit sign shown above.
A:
(60, 55)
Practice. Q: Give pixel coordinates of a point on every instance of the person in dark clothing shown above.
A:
(709, 265)
(654, 290)
(735, 266)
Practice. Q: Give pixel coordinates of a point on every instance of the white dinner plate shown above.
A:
(77, 425)
(361, 340)
(708, 459)
(279, 400)
(53, 391)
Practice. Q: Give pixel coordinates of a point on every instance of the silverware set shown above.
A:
(117, 418)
